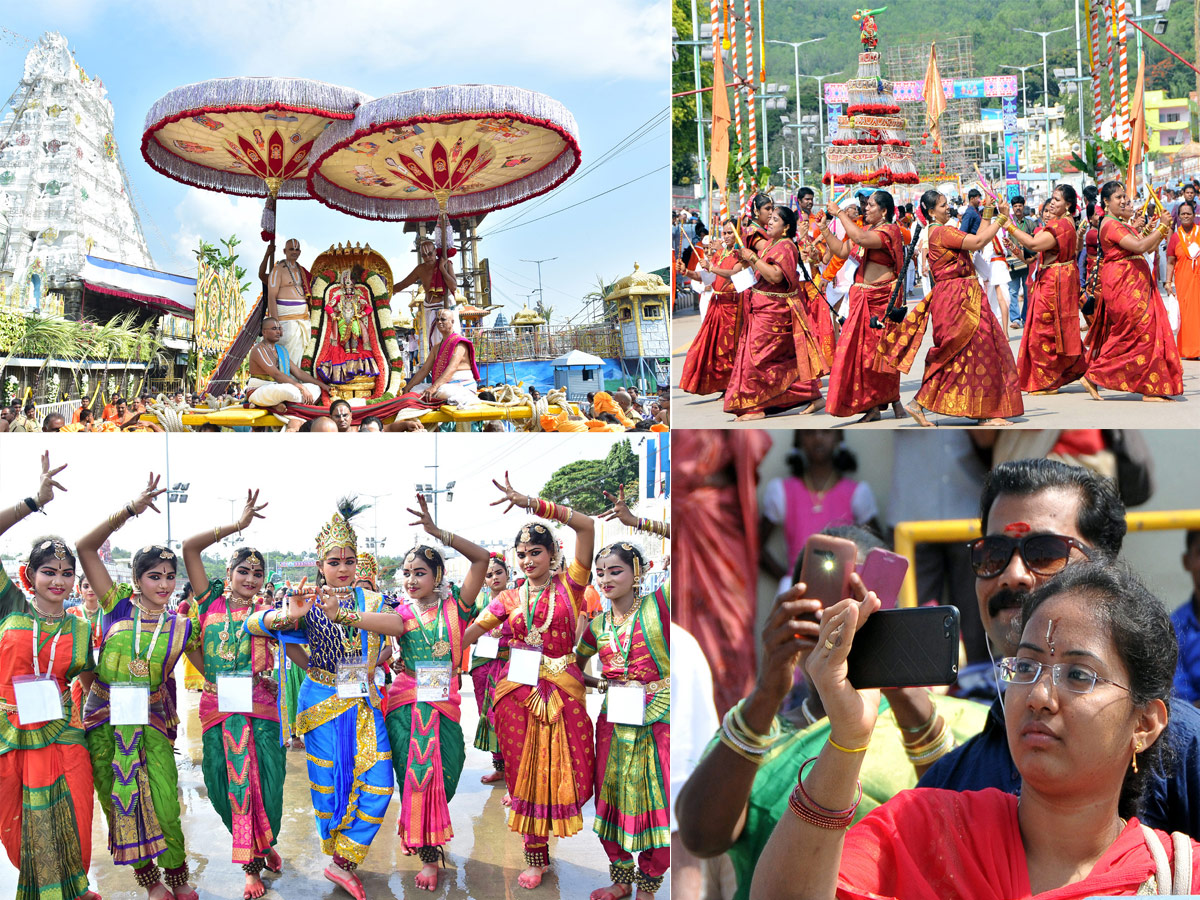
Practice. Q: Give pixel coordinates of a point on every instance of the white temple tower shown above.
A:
(64, 194)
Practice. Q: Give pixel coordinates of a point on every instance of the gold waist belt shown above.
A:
(556, 665)
(652, 687)
(320, 676)
(1055, 265)
(775, 293)
(100, 689)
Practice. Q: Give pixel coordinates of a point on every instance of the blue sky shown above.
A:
(605, 60)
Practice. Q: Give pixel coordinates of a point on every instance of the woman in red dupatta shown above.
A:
(778, 361)
(754, 223)
(861, 381)
(1085, 705)
(709, 361)
(1051, 354)
(969, 370)
(1132, 347)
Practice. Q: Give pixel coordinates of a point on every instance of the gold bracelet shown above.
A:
(1002, 219)
(836, 746)
(216, 532)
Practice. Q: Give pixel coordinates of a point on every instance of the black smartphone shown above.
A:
(906, 648)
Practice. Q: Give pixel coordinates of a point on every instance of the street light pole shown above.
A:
(796, 45)
(1045, 95)
(538, 263)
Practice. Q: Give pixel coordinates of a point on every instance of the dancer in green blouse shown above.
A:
(244, 761)
(130, 713)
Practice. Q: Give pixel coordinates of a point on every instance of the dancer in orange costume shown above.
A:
(1183, 272)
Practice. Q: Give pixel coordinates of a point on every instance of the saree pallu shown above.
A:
(820, 318)
(861, 379)
(716, 493)
(969, 371)
(1187, 290)
(1132, 348)
(709, 361)
(350, 775)
(932, 843)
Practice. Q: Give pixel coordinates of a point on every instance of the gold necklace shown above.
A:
(46, 616)
(637, 604)
(152, 614)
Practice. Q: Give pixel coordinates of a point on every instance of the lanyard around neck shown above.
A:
(37, 664)
(137, 634)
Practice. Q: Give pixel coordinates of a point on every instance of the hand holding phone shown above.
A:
(906, 648)
(828, 564)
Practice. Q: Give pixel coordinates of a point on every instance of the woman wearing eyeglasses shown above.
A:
(1085, 713)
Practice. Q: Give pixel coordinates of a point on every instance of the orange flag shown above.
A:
(935, 99)
(719, 159)
(1137, 128)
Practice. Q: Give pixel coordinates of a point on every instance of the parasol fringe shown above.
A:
(447, 102)
(249, 93)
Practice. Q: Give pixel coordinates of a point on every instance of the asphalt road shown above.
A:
(1070, 408)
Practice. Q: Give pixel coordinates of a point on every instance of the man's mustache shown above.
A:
(1006, 599)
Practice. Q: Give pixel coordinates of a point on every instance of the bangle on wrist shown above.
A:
(32, 504)
(836, 746)
(924, 726)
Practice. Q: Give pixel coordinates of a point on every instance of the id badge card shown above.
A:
(744, 279)
(524, 666)
(487, 647)
(352, 678)
(38, 699)
(235, 693)
(128, 704)
(627, 703)
(433, 681)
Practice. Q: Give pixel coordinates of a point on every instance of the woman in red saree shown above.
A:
(541, 721)
(709, 361)
(754, 223)
(1132, 347)
(969, 370)
(1085, 713)
(46, 788)
(778, 362)
(861, 381)
(1051, 354)
(1183, 274)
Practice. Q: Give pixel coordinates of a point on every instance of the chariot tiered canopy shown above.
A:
(462, 149)
(870, 146)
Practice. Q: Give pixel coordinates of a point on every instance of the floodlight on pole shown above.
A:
(1046, 94)
(796, 45)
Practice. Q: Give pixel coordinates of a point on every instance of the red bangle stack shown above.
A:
(808, 810)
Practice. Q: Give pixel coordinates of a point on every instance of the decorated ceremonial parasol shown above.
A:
(248, 136)
(459, 149)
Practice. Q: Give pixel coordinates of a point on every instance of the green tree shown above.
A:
(581, 485)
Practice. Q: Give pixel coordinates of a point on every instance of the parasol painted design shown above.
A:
(247, 136)
(465, 149)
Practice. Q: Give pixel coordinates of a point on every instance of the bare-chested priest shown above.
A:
(288, 289)
(450, 367)
(276, 379)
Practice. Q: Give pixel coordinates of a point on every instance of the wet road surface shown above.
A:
(483, 859)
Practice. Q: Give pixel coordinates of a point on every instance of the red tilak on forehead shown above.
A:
(1017, 528)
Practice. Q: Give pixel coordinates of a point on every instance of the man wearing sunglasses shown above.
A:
(1039, 516)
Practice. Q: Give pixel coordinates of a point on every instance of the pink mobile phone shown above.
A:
(883, 572)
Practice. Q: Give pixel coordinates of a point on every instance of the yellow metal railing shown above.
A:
(944, 531)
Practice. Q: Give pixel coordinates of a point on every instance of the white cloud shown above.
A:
(579, 39)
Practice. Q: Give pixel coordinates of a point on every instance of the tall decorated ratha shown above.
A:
(870, 146)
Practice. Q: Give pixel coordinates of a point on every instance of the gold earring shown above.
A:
(1137, 748)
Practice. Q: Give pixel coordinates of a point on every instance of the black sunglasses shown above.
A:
(1043, 554)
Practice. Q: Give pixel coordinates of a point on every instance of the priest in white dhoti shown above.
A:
(450, 367)
(288, 290)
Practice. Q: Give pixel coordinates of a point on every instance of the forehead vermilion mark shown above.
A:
(1016, 529)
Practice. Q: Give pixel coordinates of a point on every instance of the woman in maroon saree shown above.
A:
(1051, 354)
(709, 361)
(969, 371)
(861, 380)
(778, 363)
(1132, 347)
